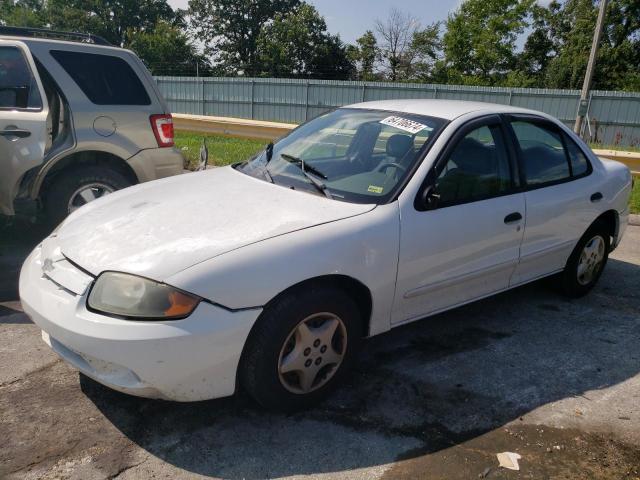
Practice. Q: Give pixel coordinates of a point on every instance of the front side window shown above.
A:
(104, 79)
(355, 155)
(477, 168)
(544, 159)
(18, 87)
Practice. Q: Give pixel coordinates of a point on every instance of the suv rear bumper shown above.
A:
(154, 163)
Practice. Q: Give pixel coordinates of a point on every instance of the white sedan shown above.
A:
(266, 275)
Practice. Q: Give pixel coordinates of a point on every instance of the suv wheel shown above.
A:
(71, 190)
(301, 348)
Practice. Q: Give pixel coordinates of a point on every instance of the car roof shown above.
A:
(447, 109)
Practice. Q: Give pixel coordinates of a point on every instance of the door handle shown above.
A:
(513, 218)
(596, 197)
(15, 132)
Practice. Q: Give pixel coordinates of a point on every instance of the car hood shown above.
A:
(159, 228)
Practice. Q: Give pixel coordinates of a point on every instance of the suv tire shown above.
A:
(73, 188)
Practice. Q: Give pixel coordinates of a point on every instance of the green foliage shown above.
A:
(115, 20)
(229, 29)
(364, 55)
(297, 44)
(481, 36)
(167, 50)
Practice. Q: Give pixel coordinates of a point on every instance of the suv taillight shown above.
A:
(162, 126)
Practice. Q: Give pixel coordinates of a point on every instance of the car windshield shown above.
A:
(355, 155)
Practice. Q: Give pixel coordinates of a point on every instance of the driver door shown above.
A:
(467, 245)
(23, 119)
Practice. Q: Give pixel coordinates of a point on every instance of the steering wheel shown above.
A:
(384, 166)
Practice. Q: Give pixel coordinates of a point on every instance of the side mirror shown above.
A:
(430, 198)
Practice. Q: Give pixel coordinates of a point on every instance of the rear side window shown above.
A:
(104, 79)
(544, 159)
(18, 87)
(579, 163)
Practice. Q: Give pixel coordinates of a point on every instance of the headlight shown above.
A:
(133, 297)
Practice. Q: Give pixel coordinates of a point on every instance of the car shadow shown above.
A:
(417, 389)
(18, 236)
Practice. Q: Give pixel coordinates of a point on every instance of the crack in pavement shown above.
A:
(42, 368)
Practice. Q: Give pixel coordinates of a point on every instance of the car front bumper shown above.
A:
(183, 360)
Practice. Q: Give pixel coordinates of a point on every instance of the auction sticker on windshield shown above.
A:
(403, 124)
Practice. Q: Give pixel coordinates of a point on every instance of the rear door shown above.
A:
(23, 119)
(559, 196)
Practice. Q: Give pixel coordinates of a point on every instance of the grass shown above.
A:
(222, 150)
(635, 197)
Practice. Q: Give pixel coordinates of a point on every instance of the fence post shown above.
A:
(202, 110)
(253, 87)
(306, 102)
(364, 89)
(435, 92)
(510, 95)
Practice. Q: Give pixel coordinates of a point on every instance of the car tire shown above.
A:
(68, 186)
(587, 262)
(286, 370)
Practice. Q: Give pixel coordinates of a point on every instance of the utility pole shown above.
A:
(586, 86)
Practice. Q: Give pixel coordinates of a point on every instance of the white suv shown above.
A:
(79, 119)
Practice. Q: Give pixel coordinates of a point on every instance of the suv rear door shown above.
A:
(23, 119)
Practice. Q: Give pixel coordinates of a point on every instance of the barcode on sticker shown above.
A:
(403, 124)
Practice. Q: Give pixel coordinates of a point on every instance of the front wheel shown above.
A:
(587, 261)
(301, 348)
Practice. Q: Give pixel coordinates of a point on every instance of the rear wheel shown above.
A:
(587, 261)
(72, 189)
(301, 348)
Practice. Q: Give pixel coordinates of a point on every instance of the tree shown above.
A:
(557, 50)
(24, 13)
(229, 29)
(419, 61)
(297, 44)
(364, 55)
(539, 47)
(115, 20)
(167, 51)
(396, 33)
(479, 43)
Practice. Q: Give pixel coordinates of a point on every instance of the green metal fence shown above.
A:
(613, 117)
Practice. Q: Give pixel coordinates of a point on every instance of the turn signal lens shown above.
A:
(137, 298)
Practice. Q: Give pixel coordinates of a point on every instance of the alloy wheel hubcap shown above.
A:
(88, 193)
(590, 260)
(312, 353)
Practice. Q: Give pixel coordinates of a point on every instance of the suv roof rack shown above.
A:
(53, 34)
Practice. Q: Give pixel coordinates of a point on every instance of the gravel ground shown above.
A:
(527, 371)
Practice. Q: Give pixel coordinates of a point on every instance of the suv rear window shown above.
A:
(104, 79)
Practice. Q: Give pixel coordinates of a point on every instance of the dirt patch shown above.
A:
(547, 453)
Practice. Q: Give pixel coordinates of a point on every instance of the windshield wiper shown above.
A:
(307, 170)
